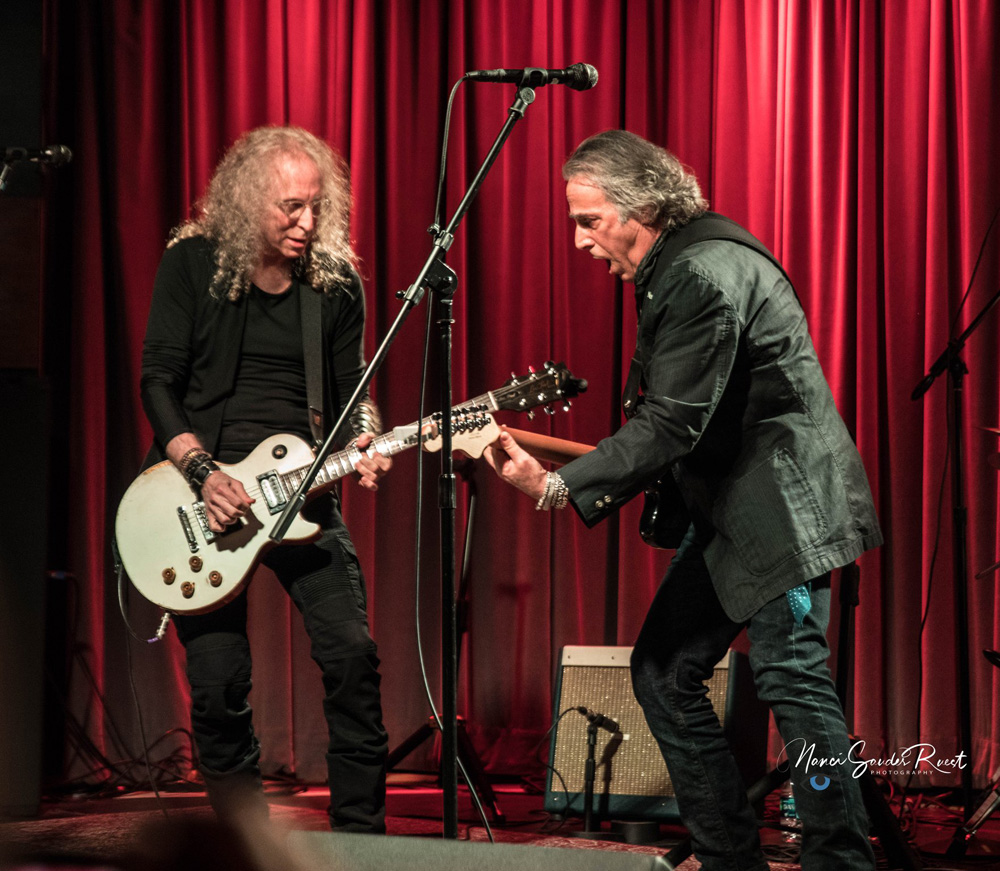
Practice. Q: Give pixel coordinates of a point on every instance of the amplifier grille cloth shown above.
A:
(636, 766)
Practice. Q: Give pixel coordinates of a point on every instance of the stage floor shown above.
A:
(105, 832)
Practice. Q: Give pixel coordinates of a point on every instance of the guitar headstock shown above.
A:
(473, 430)
(525, 392)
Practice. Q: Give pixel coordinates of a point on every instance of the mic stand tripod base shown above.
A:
(966, 843)
(466, 753)
(973, 847)
(599, 835)
(637, 831)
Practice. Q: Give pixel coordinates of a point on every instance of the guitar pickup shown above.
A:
(182, 516)
(273, 491)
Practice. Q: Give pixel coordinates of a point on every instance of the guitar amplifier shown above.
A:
(632, 779)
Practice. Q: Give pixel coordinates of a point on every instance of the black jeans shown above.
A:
(325, 582)
(685, 634)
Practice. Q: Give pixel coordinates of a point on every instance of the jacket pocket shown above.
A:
(771, 514)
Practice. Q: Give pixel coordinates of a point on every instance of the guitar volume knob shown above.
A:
(169, 576)
(187, 589)
(215, 578)
(195, 563)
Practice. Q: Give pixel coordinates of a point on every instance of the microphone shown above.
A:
(599, 720)
(54, 155)
(580, 77)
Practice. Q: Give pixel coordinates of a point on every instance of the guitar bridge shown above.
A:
(273, 491)
(202, 515)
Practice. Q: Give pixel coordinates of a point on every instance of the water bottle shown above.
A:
(788, 817)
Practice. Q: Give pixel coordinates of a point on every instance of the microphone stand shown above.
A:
(597, 721)
(951, 360)
(589, 776)
(435, 275)
(899, 851)
(468, 758)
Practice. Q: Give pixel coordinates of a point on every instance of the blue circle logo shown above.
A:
(819, 782)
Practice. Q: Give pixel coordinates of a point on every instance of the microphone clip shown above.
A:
(599, 721)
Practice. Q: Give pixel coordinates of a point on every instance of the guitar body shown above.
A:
(665, 520)
(171, 556)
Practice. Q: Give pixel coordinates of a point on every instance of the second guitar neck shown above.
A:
(548, 448)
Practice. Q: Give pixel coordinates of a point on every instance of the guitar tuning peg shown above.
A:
(531, 415)
(549, 410)
(567, 405)
(531, 370)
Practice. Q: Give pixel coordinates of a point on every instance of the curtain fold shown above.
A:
(855, 139)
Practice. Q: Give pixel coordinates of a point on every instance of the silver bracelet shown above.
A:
(366, 418)
(556, 493)
(544, 501)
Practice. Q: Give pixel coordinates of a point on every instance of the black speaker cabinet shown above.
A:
(332, 851)
(632, 779)
(23, 525)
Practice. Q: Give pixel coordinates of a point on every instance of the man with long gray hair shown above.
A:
(256, 328)
(762, 494)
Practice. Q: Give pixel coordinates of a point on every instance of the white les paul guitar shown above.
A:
(177, 562)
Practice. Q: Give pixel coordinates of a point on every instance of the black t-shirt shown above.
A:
(269, 395)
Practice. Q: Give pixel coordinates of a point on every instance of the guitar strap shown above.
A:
(311, 308)
(710, 225)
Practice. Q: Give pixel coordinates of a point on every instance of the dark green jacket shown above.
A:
(737, 409)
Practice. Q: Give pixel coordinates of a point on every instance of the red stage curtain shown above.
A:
(856, 139)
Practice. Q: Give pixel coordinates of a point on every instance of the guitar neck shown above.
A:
(475, 412)
(548, 448)
(341, 463)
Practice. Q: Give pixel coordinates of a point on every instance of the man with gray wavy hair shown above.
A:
(762, 493)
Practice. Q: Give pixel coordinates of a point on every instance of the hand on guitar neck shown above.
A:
(513, 457)
(548, 448)
(370, 467)
(516, 466)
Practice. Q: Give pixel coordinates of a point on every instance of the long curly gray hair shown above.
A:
(242, 190)
(640, 179)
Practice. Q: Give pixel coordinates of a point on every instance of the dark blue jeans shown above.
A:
(325, 582)
(685, 634)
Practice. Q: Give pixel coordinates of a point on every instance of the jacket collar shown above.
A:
(644, 271)
(646, 266)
